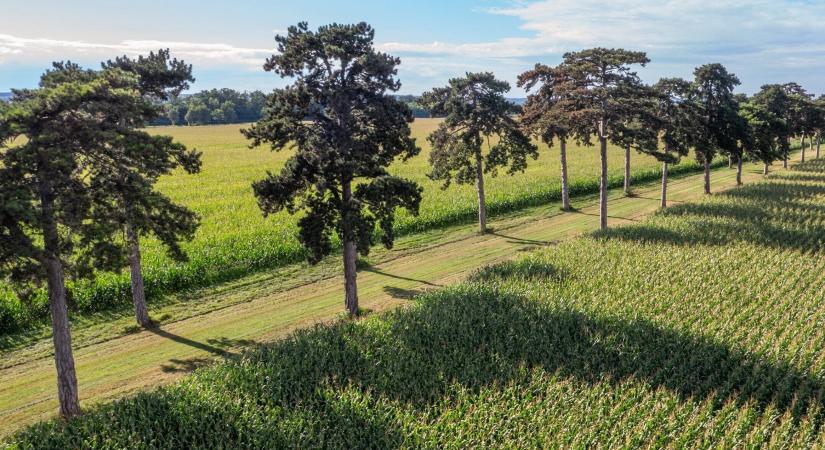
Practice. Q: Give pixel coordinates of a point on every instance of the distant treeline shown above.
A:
(217, 106)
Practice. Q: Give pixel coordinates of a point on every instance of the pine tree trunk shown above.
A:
(765, 169)
(603, 178)
(482, 207)
(350, 257)
(739, 171)
(664, 184)
(138, 292)
(817, 145)
(706, 164)
(785, 155)
(565, 190)
(627, 169)
(802, 144)
(61, 334)
(730, 162)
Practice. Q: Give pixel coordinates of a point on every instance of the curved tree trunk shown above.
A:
(603, 177)
(664, 185)
(350, 256)
(138, 292)
(565, 189)
(482, 207)
(739, 171)
(802, 144)
(706, 164)
(627, 169)
(61, 334)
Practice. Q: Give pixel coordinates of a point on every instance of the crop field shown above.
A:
(234, 239)
(701, 327)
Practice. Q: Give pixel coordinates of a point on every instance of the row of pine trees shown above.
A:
(78, 170)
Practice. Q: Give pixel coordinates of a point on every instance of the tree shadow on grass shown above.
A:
(218, 348)
(781, 212)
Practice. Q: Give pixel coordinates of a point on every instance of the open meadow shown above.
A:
(234, 239)
(700, 327)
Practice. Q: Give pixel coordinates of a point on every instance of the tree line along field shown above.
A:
(698, 328)
(234, 238)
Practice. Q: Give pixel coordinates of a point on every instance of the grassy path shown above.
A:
(113, 367)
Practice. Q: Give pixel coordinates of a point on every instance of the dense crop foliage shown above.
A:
(234, 239)
(699, 328)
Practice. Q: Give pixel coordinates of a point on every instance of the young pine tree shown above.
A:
(476, 116)
(346, 129)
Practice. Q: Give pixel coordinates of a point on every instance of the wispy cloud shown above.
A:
(204, 53)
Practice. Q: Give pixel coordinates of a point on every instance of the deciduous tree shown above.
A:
(345, 129)
(476, 113)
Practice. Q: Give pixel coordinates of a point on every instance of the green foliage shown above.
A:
(768, 131)
(345, 129)
(614, 340)
(717, 111)
(475, 110)
(214, 106)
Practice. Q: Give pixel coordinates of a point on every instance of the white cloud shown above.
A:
(203, 53)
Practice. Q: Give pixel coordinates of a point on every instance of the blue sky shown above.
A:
(762, 41)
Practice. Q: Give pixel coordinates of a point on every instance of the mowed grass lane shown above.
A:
(111, 368)
(699, 328)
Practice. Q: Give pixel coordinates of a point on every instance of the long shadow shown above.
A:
(398, 277)
(217, 347)
(518, 240)
(296, 392)
(781, 212)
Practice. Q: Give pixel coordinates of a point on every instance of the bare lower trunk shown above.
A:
(707, 175)
(565, 190)
(482, 207)
(730, 162)
(350, 258)
(765, 169)
(138, 292)
(785, 155)
(817, 145)
(627, 169)
(603, 181)
(664, 185)
(802, 144)
(739, 171)
(61, 334)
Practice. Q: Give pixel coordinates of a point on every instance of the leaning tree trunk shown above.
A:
(138, 292)
(603, 177)
(61, 334)
(565, 190)
(802, 144)
(664, 184)
(739, 171)
(627, 169)
(482, 207)
(706, 164)
(350, 255)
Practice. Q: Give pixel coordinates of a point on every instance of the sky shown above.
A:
(761, 41)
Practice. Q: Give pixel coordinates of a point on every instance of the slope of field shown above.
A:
(234, 239)
(699, 328)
